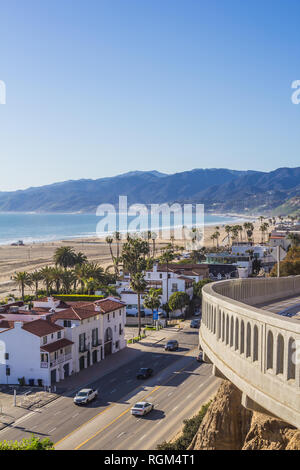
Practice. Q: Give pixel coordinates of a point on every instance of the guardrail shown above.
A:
(255, 349)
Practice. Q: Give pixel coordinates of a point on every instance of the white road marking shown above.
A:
(120, 434)
(57, 413)
(142, 437)
(52, 430)
(114, 390)
(170, 394)
(128, 381)
(175, 408)
(74, 416)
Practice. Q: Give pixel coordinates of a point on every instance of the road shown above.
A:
(175, 384)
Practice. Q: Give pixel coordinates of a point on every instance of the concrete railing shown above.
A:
(256, 350)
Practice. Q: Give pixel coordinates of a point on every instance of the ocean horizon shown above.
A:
(31, 227)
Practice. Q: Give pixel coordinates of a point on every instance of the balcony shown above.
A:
(96, 343)
(83, 348)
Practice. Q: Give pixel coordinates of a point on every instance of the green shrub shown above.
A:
(190, 429)
(34, 443)
(77, 297)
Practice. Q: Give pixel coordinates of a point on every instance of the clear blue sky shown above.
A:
(100, 87)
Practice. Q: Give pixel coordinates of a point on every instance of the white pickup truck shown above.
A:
(85, 395)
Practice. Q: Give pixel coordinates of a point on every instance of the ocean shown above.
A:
(34, 228)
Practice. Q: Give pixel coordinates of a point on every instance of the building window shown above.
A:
(113, 314)
(45, 340)
(117, 344)
(67, 323)
(160, 276)
(59, 335)
(95, 337)
(120, 329)
(6, 356)
(108, 317)
(120, 312)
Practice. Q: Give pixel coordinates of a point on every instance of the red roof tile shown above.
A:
(56, 345)
(41, 327)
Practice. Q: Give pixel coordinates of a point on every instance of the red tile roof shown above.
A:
(82, 310)
(41, 327)
(56, 345)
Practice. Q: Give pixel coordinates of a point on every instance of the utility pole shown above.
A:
(278, 261)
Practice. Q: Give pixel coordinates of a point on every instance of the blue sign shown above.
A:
(155, 315)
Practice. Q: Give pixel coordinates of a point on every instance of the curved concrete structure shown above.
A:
(258, 351)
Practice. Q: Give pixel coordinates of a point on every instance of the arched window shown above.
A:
(270, 350)
(219, 324)
(255, 344)
(231, 332)
(280, 353)
(227, 329)
(223, 326)
(291, 359)
(242, 345)
(248, 340)
(236, 347)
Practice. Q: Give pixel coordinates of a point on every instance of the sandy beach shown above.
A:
(36, 255)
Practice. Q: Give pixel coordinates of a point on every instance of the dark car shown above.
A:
(144, 373)
(195, 323)
(200, 357)
(171, 345)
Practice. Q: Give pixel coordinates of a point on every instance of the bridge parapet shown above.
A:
(257, 350)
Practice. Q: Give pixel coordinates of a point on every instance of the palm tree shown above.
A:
(22, 278)
(36, 277)
(153, 237)
(138, 285)
(228, 231)
(65, 256)
(166, 257)
(68, 278)
(152, 300)
(56, 276)
(109, 241)
(47, 277)
(80, 258)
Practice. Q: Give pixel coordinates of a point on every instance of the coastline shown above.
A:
(34, 256)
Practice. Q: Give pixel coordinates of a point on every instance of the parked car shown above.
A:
(144, 373)
(172, 345)
(142, 408)
(85, 395)
(200, 357)
(195, 323)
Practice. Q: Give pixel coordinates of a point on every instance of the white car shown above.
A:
(85, 395)
(142, 408)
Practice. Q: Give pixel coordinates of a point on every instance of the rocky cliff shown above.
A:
(228, 425)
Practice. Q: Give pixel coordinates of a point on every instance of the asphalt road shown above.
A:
(61, 419)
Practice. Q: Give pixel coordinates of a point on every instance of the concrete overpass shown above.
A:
(257, 350)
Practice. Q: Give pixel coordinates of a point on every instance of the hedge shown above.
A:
(74, 297)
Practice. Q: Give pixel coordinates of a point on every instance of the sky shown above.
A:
(95, 88)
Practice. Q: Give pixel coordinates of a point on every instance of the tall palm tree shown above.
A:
(138, 285)
(47, 278)
(153, 237)
(109, 241)
(228, 231)
(166, 257)
(65, 257)
(36, 277)
(56, 276)
(22, 278)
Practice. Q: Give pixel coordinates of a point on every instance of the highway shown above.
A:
(178, 388)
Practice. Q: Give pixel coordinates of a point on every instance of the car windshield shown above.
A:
(138, 406)
(82, 394)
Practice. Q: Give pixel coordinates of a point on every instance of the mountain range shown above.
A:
(221, 190)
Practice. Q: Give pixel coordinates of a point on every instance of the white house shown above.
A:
(48, 344)
(36, 350)
(95, 328)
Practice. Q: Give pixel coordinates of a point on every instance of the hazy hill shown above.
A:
(219, 189)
